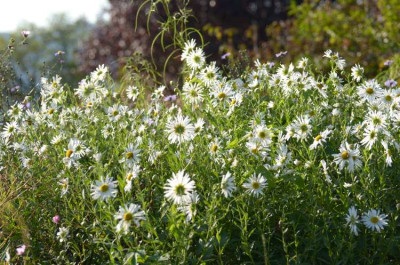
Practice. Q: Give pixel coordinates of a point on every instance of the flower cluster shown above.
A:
(266, 151)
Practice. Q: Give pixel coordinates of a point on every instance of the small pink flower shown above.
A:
(56, 219)
(21, 250)
(25, 33)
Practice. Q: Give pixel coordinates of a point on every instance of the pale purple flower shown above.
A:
(59, 53)
(27, 105)
(388, 62)
(280, 54)
(170, 98)
(21, 250)
(390, 83)
(271, 64)
(56, 219)
(226, 55)
(14, 89)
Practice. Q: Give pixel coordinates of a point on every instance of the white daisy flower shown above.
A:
(193, 93)
(190, 45)
(198, 126)
(189, 209)
(388, 97)
(326, 173)
(263, 134)
(99, 74)
(374, 220)
(352, 220)
(130, 176)
(62, 234)
(64, 184)
(348, 157)
(320, 139)
(178, 189)
(256, 148)
(321, 88)
(388, 153)
(131, 155)
(9, 130)
(369, 91)
(209, 74)
(196, 58)
(302, 63)
(255, 185)
(116, 112)
(180, 129)
(283, 157)
(377, 120)
(15, 111)
(215, 146)
(57, 139)
(227, 185)
(76, 149)
(104, 188)
(88, 92)
(370, 137)
(221, 94)
(127, 214)
(132, 93)
(357, 72)
(302, 127)
(108, 131)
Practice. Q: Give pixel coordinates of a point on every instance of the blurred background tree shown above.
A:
(50, 49)
(362, 31)
(227, 25)
(46, 51)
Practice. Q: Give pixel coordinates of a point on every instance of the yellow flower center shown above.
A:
(104, 188)
(69, 153)
(369, 91)
(180, 190)
(50, 111)
(377, 121)
(129, 177)
(388, 98)
(129, 155)
(319, 137)
(372, 134)
(128, 216)
(304, 127)
(197, 59)
(193, 93)
(214, 148)
(233, 102)
(374, 219)
(179, 129)
(222, 95)
(210, 75)
(115, 113)
(255, 185)
(262, 134)
(345, 155)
